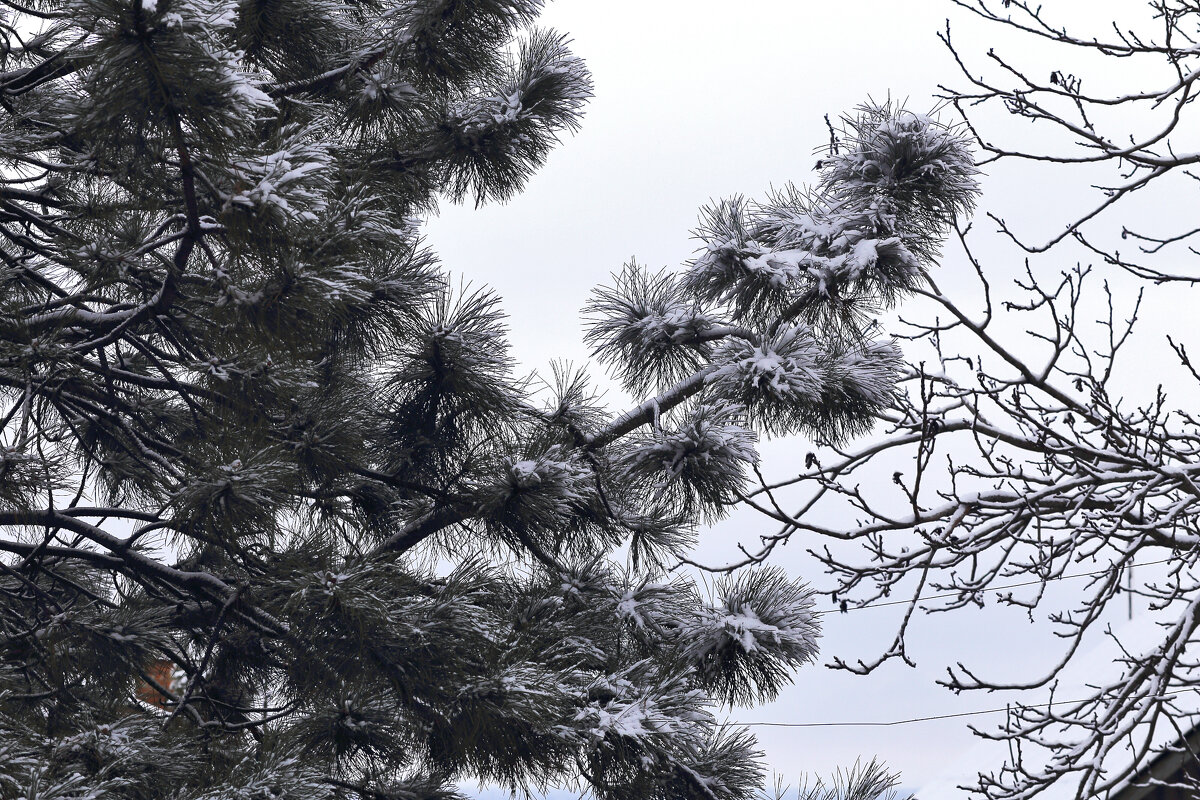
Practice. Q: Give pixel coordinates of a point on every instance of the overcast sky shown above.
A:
(699, 100)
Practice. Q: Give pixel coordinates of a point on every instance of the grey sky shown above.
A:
(699, 100)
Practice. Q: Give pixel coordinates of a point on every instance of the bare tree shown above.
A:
(1020, 451)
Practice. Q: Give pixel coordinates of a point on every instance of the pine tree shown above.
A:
(279, 518)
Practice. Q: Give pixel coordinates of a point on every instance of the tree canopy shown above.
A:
(280, 518)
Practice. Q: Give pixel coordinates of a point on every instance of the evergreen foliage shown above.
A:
(278, 518)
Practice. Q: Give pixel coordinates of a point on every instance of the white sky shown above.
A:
(698, 100)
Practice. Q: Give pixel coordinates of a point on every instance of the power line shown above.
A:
(909, 721)
(913, 719)
(864, 724)
(993, 588)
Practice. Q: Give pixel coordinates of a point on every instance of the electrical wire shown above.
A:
(913, 719)
(909, 721)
